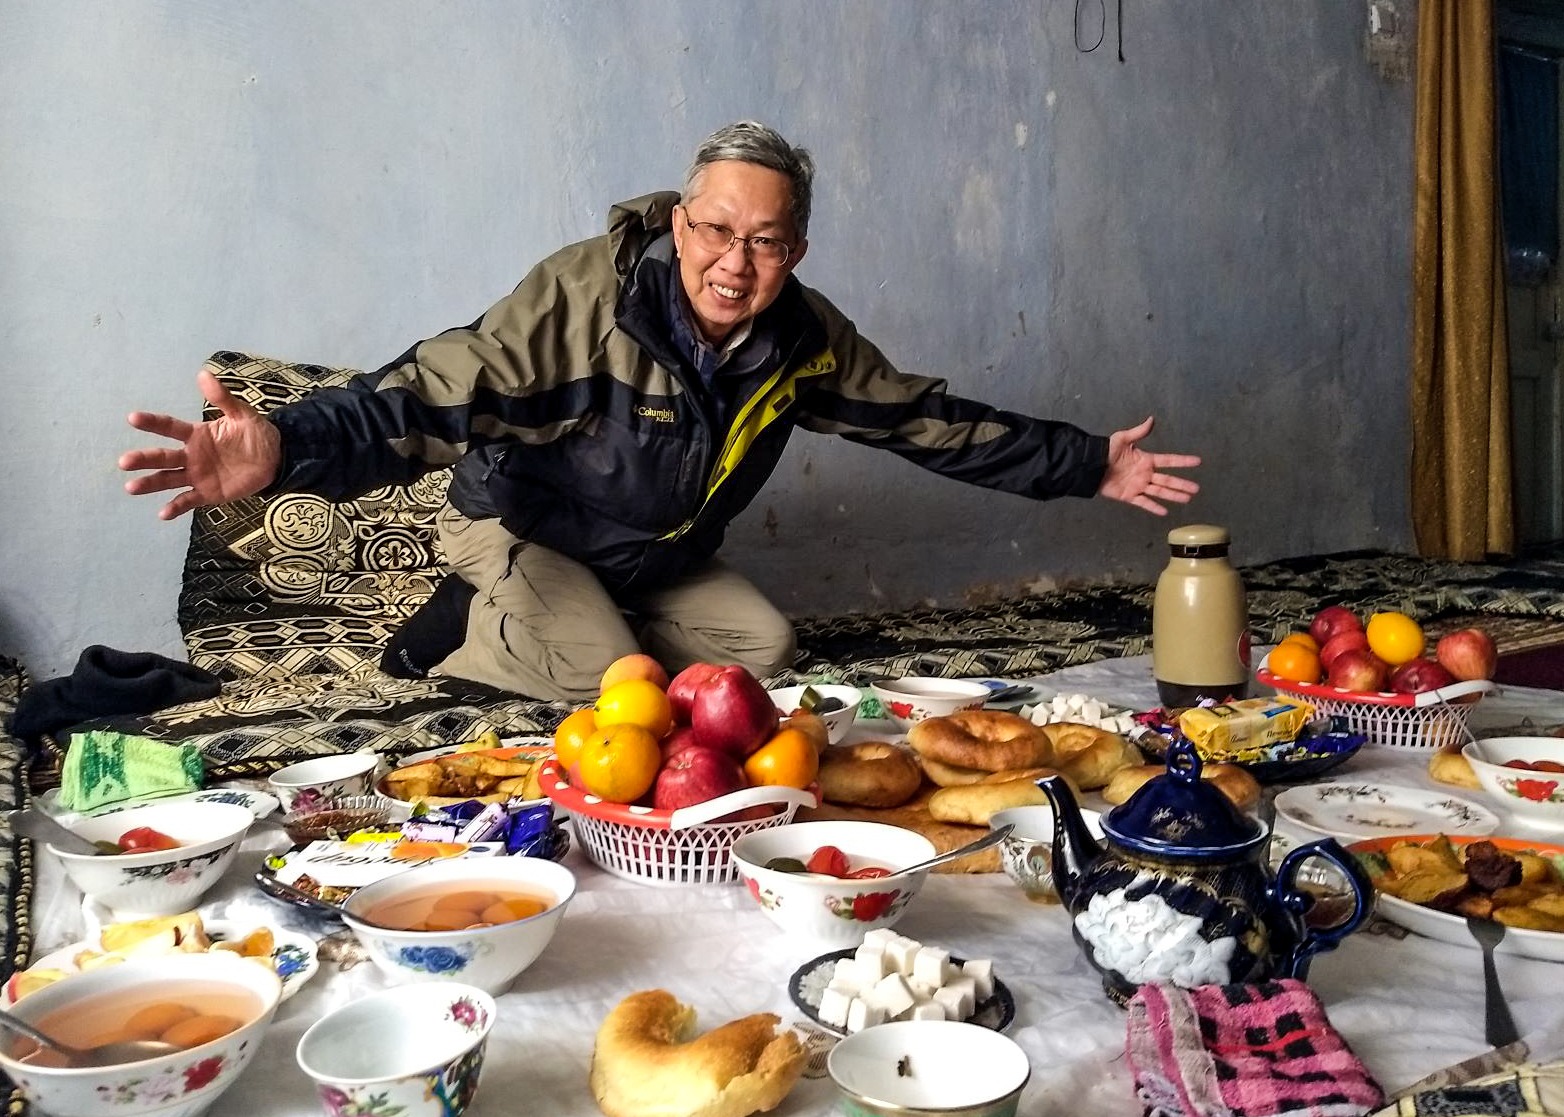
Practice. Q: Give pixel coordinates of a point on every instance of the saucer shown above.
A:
(1365, 810)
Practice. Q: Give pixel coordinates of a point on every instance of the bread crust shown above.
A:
(1088, 755)
(976, 803)
(990, 740)
(1241, 789)
(869, 774)
(648, 1062)
(1447, 765)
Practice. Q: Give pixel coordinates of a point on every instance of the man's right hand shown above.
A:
(221, 460)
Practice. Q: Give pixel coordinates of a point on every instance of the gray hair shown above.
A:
(749, 141)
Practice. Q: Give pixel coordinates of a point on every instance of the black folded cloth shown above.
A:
(108, 682)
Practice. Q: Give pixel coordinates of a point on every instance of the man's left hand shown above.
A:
(1136, 476)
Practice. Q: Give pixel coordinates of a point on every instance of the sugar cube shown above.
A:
(880, 937)
(834, 1007)
(981, 971)
(956, 1001)
(928, 964)
(872, 959)
(902, 952)
(928, 1010)
(861, 1014)
(891, 994)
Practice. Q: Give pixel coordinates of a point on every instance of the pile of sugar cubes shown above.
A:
(892, 977)
(1081, 710)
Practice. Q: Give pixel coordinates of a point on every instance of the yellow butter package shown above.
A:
(1234, 728)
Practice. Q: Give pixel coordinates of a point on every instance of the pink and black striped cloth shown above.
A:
(1243, 1051)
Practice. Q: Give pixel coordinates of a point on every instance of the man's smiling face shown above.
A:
(729, 288)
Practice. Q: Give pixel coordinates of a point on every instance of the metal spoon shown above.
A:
(315, 901)
(107, 1054)
(39, 826)
(993, 837)
(1499, 1026)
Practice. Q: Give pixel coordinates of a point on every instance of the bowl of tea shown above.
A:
(210, 1009)
(479, 920)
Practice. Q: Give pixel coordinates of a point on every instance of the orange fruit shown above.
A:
(636, 666)
(571, 735)
(619, 763)
(1395, 637)
(636, 702)
(1295, 662)
(788, 759)
(1302, 638)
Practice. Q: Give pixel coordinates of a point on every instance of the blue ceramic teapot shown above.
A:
(1180, 892)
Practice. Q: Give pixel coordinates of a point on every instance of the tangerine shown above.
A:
(1302, 638)
(1395, 637)
(636, 702)
(570, 735)
(618, 763)
(1295, 662)
(788, 759)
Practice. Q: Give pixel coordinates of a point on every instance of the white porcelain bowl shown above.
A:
(837, 722)
(415, 1051)
(931, 1068)
(1027, 854)
(1536, 797)
(824, 909)
(177, 1085)
(309, 784)
(160, 882)
(488, 957)
(909, 700)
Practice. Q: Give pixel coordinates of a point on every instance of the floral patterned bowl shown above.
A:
(158, 882)
(1537, 796)
(913, 698)
(414, 1051)
(178, 1085)
(310, 784)
(831, 910)
(488, 957)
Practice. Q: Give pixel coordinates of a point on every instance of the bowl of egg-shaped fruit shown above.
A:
(481, 920)
(829, 882)
(158, 859)
(204, 1014)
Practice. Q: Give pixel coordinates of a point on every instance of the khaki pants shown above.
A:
(542, 624)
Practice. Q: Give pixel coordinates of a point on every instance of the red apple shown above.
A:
(1331, 620)
(695, 775)
(1341, 642)
(1420, 674)
(1358, 670)
(1468, 654)
(733, 712)
(682, 688)
(681, 737)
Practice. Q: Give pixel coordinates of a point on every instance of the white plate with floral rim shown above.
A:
(293, 954)
(1366, 810)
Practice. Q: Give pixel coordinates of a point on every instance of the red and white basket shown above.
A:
(1429, 720)
(686, 846)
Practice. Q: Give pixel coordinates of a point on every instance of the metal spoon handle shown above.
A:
(993, 837)
(1499, 1026)
(35, 824)
(22, 1027)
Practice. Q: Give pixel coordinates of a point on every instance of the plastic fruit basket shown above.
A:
(686, 846)
(1430, 720)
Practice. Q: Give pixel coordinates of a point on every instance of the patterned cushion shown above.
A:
(290, 585)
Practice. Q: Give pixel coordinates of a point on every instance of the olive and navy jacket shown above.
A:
(569, 412)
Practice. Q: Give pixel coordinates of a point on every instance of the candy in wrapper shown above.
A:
(489, 824)
(1240, 730)
(431, 829)
(532, 832)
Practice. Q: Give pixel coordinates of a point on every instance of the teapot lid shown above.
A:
(1181, 815)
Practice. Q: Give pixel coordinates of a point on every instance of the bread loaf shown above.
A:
(648, 1062)
(1447, 765)
(1241, 789)
(975, 803)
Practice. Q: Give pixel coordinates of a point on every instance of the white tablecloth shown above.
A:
(1408, 1006)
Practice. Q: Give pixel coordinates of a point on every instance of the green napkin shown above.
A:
(103, 767)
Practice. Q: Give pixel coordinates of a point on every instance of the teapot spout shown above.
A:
(1074, 847)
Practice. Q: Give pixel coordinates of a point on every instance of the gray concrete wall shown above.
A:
(1216, 231)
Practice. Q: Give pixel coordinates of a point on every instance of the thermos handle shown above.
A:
(1286, 894)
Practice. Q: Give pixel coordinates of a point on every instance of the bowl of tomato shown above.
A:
(156, 859)
(1525, 774)
(832, 881)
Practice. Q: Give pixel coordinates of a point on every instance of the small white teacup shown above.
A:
(1027, 854)
(310, 784)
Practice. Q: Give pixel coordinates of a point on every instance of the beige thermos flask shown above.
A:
(1199, 621)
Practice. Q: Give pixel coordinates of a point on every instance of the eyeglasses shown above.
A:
(767, 252)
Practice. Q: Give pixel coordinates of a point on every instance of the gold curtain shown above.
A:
(1461, 496)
